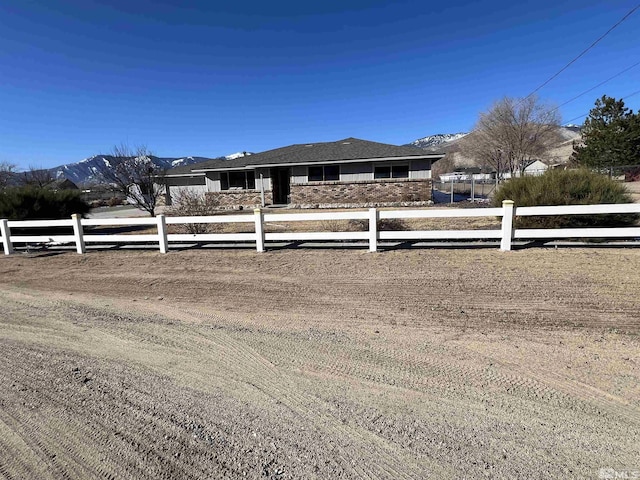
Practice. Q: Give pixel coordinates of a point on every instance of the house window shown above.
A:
(382, 171)
(239, 180)
(391, 171)
(400, 171)
(324, 173)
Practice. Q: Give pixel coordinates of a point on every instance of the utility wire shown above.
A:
(598, 85)
(585, 50)
(585, 114)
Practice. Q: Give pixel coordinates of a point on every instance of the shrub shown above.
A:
(188, 204)
(114, 201)
(566, 187)
(29, 203)
(335, 226)
(97, 203)
(632, 174)
(384, 224)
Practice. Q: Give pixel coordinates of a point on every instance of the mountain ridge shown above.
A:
(87, 171)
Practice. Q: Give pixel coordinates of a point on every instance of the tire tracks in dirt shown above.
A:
(240, 347)
(417, 371)
(414, 371)
(386, 461)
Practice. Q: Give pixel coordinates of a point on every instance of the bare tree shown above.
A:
(132, 172)
(37, 177)
(513, 133)
(7, 174)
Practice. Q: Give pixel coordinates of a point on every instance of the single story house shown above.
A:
(346, 172)
(535, 168)
(62, 184)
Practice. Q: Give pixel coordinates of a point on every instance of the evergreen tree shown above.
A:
(610, 136)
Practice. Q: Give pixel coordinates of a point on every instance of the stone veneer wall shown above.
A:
(399, 191)
(393, 191)
(234, 199)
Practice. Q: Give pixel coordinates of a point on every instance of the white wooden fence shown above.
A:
(506, 234)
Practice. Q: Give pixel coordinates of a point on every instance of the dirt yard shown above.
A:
(320, 364)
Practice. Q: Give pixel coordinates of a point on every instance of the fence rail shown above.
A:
(506, 234)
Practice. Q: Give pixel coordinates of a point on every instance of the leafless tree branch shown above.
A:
(132, 172)
(7, 174)
(37, 177)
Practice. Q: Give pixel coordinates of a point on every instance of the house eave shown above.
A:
(175, 175)
(323, 162)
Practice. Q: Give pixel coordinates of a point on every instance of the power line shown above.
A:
(598, 85)
(585, 114)
(576, 118)
(584, 51)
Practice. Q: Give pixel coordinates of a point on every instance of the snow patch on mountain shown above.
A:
(437, 139)
(87, 171)
(178, 162)
(237, 155)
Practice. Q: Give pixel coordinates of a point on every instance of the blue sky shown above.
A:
(209, 78)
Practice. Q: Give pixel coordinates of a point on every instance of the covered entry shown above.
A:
(281, 185)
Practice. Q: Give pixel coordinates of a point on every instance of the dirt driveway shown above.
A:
(320, 364)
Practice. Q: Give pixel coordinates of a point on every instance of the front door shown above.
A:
(280, 179)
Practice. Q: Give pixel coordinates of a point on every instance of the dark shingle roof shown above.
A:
(186, 169)
(341, 150)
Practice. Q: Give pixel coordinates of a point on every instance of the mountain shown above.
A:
(86, 171)
(437, 139)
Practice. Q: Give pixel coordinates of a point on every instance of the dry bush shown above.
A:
(192, 204)
(335, 226)
(632, 174)
(98, 203)
(384, 224)
(392, 224)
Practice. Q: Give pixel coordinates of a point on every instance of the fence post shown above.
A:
(78, 233)
(5, 232)
(508, 216)
(373, 229)
(259, 218)
(262, 190)
(452, 198)
(163, 241)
